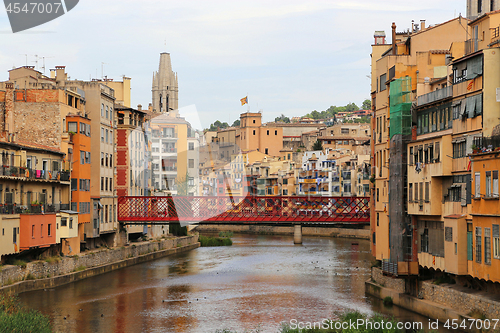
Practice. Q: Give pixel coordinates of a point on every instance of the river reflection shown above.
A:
(258, 282)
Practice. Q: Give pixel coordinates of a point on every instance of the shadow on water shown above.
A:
(259, 282)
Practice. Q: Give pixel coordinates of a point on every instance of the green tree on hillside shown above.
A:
(282, 119)
(367, 105)
(236, 123)
(218, 125)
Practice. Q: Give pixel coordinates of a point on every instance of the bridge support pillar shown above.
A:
(297, 234)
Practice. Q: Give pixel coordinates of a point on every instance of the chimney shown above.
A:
(139, 107)
(150, 107)
(60, 73)
(9, 108)
(422, 25)
(52, 73)
(393, 38)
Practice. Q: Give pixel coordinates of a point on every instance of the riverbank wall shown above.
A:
(442, 302)
(42, 274)
(280, 230)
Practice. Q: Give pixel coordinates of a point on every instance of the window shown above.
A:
(102, 159)
(477, 185)
(487, 246)
(285, 192)
(102, 110)
(106, 160)
(382, 82)
(82, 128)
(448, 234)
(410, 160)
(378, 194)
(82, 157)
(102, 134)
(436, 152)
(494, 189)
(191, 163)
(70, 223)
(267, 132)
(49, 229)
(267, 151)
(107, 136)
(459, 149)
(410, 192)
(424, 241)
(426, 191)
(64, 221)
(111, 184)
(416, 191)
(72, 127)
(378, 219)
(478, 244)
(111, 160)
(74, 184)
(479, 7)
(276, 132)
(106, 183)
(254, 130)
(87, 157)
(488, 186)
(102, 183)
(496, 241)
(191, 146)
(107, 112)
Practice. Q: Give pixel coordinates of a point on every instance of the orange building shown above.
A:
(37, 230)
(79, 129)
(483, 234)
(255, 136)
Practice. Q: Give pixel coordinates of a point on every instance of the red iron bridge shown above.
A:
(262, 210)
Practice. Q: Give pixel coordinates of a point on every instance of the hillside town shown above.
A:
(423, 153)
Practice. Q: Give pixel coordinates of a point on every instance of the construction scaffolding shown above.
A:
(400, 106)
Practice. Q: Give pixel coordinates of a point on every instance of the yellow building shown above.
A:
(413, 64)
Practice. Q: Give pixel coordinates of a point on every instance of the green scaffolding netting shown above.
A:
(400, 106)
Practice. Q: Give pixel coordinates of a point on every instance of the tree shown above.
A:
(218, 125)
(351, 107)
(367, 105)
(282, 119)
(236, 123)
(318, 145)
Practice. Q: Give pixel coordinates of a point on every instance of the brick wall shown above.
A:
(38, 123)
(459, 301)
(387, 281)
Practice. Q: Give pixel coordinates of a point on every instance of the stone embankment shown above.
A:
(443, 302)
(58, 271)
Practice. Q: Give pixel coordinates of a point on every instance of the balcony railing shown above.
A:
(32, 208)
(21, 172)
(435, 96)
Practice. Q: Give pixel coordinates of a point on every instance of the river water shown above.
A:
(253, 285)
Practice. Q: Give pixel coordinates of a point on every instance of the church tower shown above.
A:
(165, 88)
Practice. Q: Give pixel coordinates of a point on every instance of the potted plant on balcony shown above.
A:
(475, 149)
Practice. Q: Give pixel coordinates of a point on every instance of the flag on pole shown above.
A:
(244, 100)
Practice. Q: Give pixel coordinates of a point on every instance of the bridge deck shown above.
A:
(249, 209)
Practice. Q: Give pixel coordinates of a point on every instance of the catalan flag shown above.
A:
(244, 100)
(470, 85)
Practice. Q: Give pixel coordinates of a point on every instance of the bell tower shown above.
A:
(165, 87)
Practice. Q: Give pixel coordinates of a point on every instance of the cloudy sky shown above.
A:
(290, 56)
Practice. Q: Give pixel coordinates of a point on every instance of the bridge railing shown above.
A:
(243, 209)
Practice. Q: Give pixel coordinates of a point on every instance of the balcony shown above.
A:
(32, 208)
(169, 150)
(460, 164)
(33, 174)
(435, 96)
